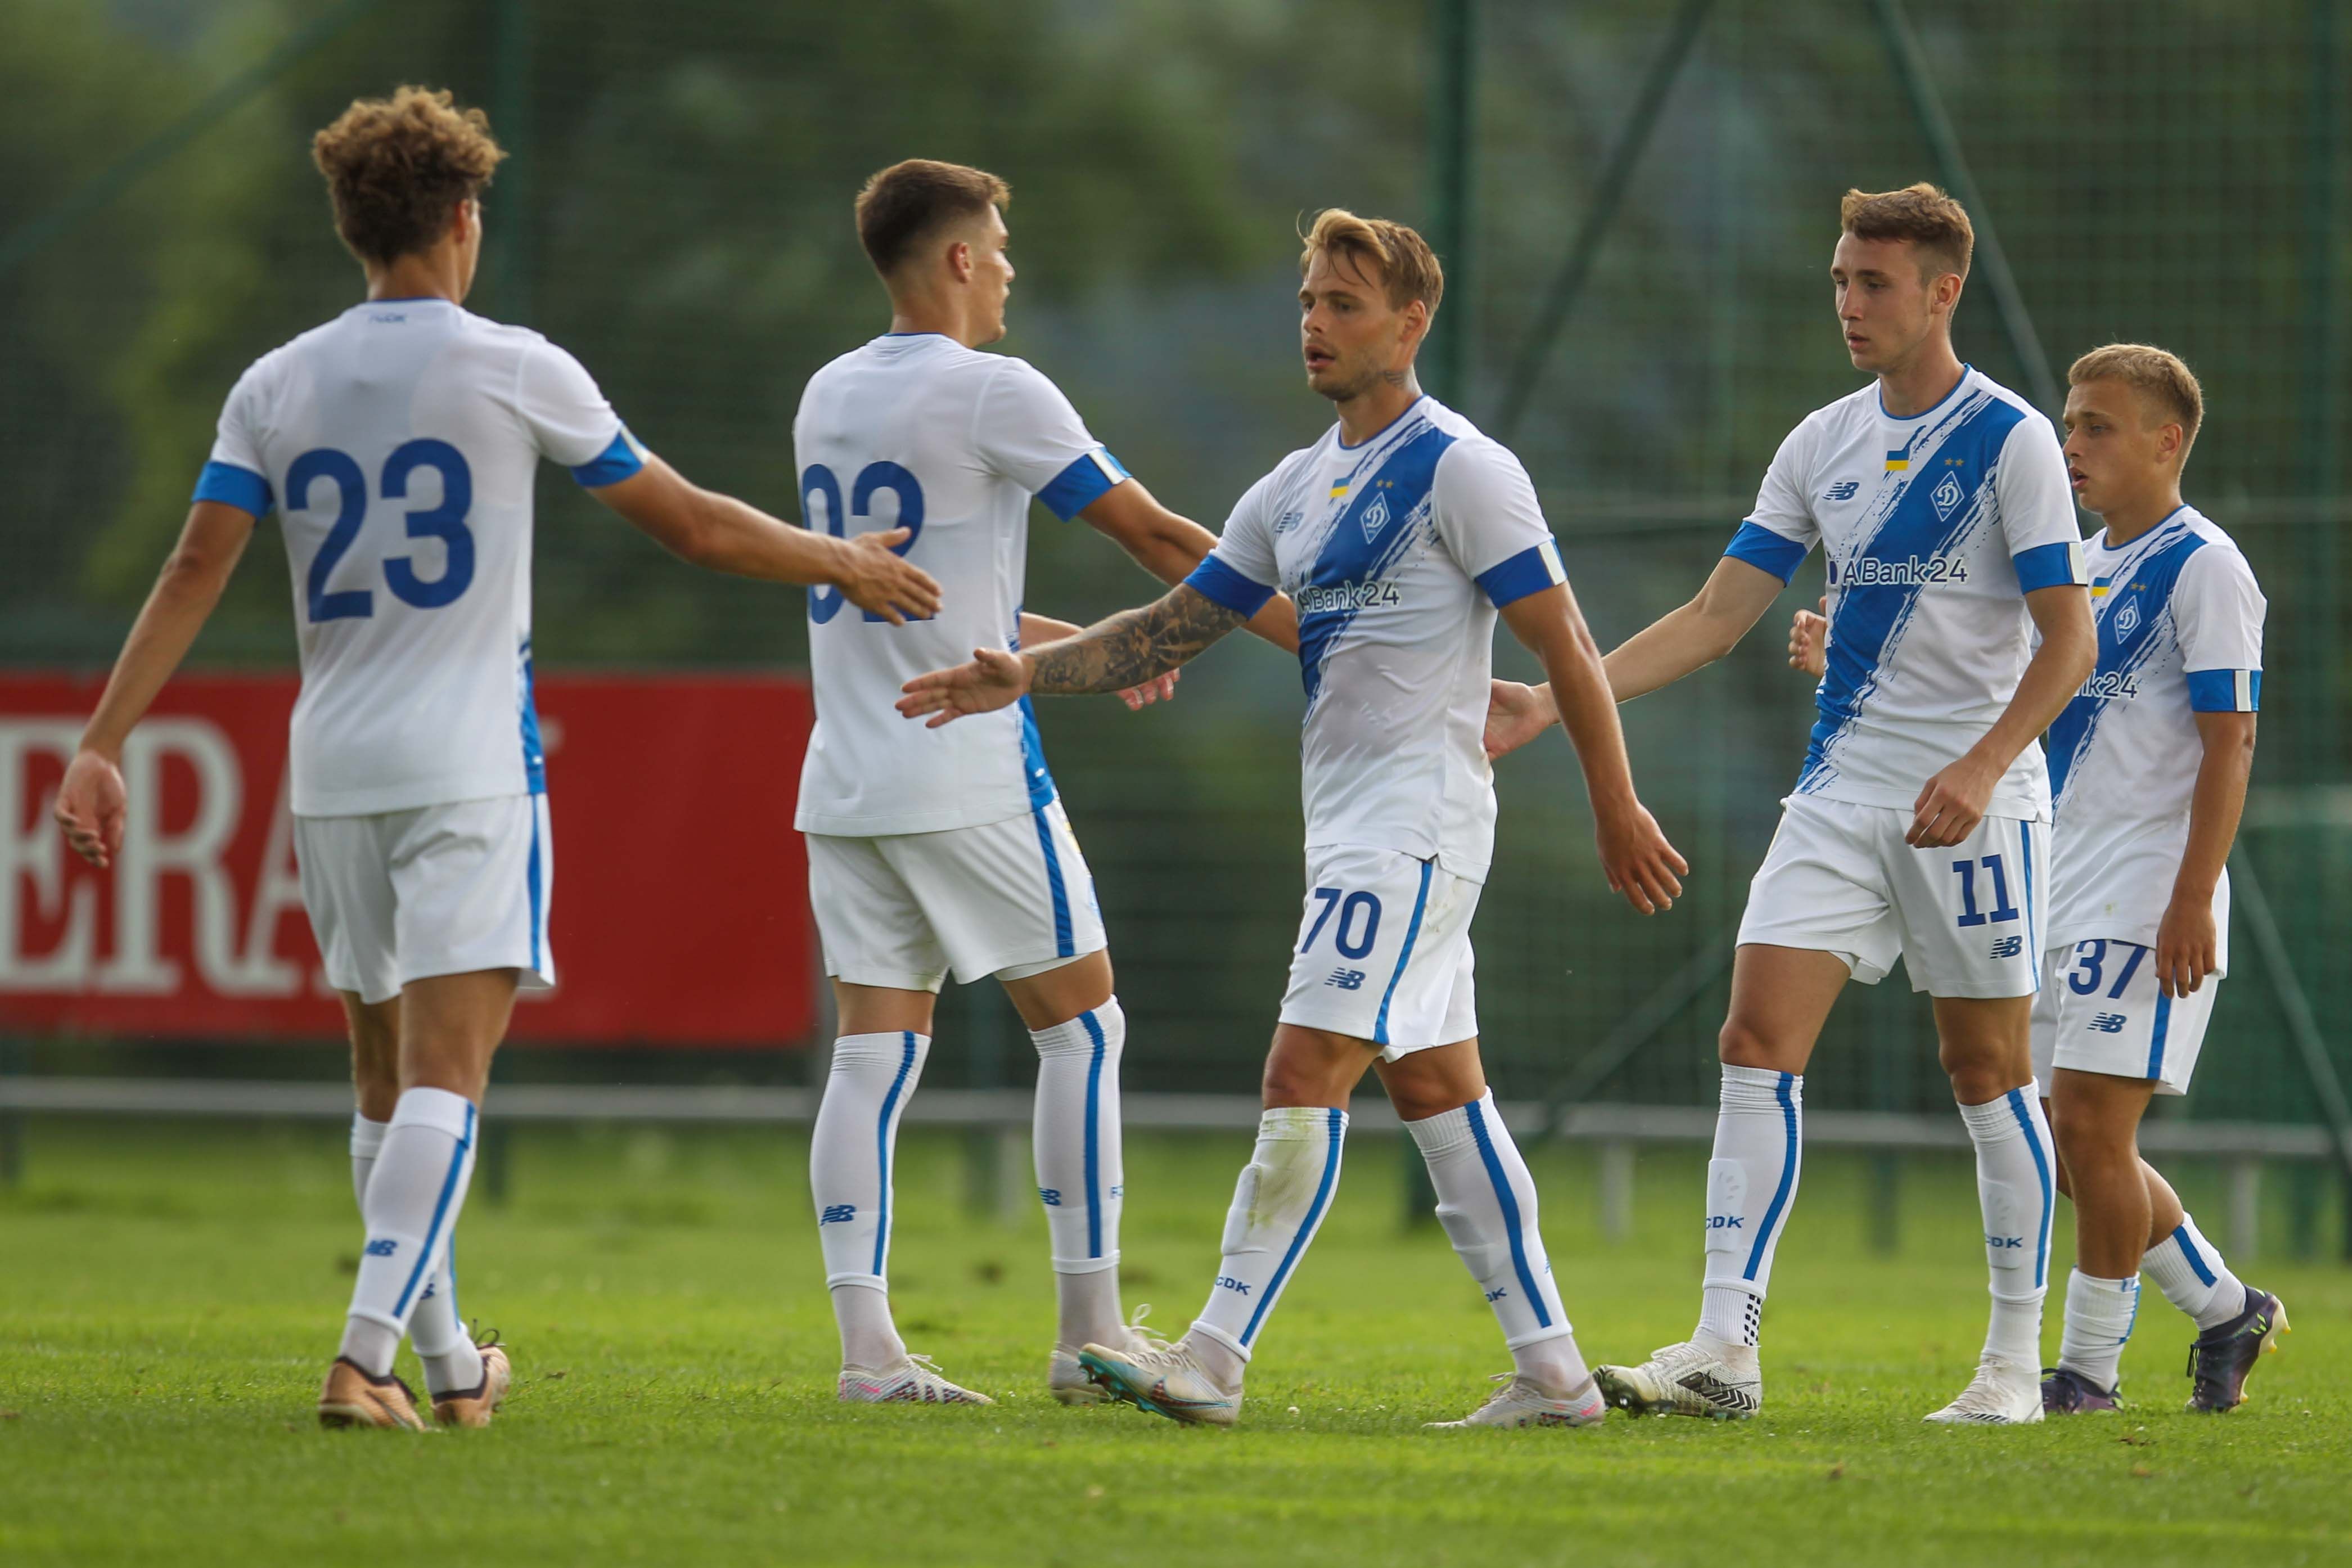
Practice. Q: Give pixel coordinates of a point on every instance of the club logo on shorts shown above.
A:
(1947, 496)
(1347, 979)
(2127, 617)
(2109, 1023)
(2008, 947)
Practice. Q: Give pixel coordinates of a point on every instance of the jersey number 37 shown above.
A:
(445, 523)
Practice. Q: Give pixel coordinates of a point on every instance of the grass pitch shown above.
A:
(169, 1298)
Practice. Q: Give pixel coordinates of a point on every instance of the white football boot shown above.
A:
(914, 1381)
(1519, 1403)
(1998, 1395)
(1167, 1381)
(1068, 1382)
(1688, 1379)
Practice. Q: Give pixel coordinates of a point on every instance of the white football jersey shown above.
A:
(914, 430)
(2180, 633)
(399, 442)
(1934, 529)
(1398, 552)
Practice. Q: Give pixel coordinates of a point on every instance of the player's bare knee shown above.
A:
(1743, 1045)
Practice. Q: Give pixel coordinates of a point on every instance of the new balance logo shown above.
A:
(1050, 1197)
(2008, 947)
(1724, 1221)
(2003, 1243)
(1347, 979)
(2109, 1023)
(1842, 490)
(383, 1248)
(1227, 1282)
(1288, 520)
(1119, 1192)
(838, 1214)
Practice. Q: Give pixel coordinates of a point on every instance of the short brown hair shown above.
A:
(1922, 214)
(910, 201)
(397, 167)
(2160, 377)
(1400, 258)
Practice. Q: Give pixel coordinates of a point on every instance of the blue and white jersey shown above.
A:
(1398, 552)
(1934, 528)
(2180, 633)
(914, 430)
(400, 442)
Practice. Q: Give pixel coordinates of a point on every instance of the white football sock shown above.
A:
(1279, 1202)
(850, 1157)
(451, 1361)
(1486, 1202)
(414, 1198)
(1751, 1186)
(2099, 1314)
(2015, 1187)
(2190, 1271)
(1080, 1177)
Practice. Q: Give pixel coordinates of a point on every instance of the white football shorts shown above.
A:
(1966, 921)
(2100, 1011)
(439, 889)
(1011, 898)
(1383, 951)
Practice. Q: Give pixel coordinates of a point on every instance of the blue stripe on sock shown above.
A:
(1781, 1092)
(882, 1148)
(1094, 1150)
(440, 1213)
(2040, 1169)
(1510, 1211)
(1306, 1229)
(1404, 956)
(2189, 1251)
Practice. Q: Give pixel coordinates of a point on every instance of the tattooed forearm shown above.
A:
(1131, 647)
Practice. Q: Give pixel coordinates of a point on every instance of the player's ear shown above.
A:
(959, 261)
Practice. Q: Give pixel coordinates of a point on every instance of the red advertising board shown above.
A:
(680, 900)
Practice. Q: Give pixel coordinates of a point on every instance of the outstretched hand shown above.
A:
(875, 578)
(1515, 714)
(91, 805)
(994, 679)
(1638, 861)
(1159, 688)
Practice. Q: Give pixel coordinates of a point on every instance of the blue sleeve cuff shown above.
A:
(1221, 585)
(2050, 565)
(1082, 484)
(621, 460)
(1766, 550)
(2225, 691)
(232, 486)
(1531, 571)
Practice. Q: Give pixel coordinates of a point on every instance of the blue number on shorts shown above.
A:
(326, 463)
(819, 480)
(2130, 968)
(1370, 906)
(1331, 896)
(2090, 962)
(445, 523)
(2003, 909)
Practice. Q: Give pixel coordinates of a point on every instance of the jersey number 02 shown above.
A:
(445, 523)
(819, 482)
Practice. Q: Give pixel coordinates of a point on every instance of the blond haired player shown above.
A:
(1401, 536)
(398, 442)
(2148, 766)
(1918, 825)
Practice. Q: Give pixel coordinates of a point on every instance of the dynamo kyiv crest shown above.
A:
(1946, 497)
(1375, 517)
(2127, 617)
